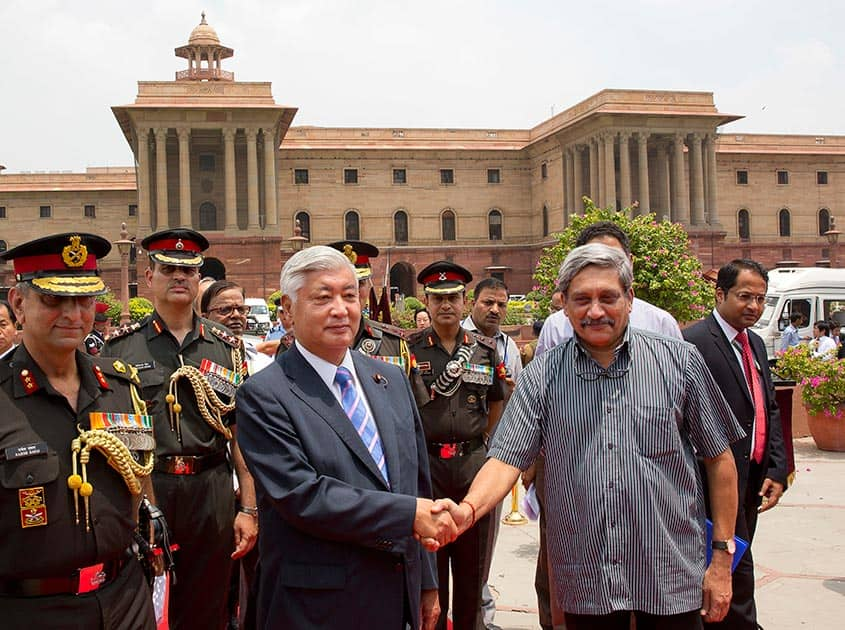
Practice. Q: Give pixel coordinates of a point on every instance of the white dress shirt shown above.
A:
(326, 371)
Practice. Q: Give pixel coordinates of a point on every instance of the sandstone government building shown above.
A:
(223, 157)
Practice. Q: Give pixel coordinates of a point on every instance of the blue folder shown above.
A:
(741, 546)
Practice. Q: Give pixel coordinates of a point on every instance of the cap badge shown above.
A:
(179, 244)
(350, 253)
(75, 254)
(442, 275)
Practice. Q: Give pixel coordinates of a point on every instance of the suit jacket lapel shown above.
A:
(307, 385)
(380, 405)
(729, 355)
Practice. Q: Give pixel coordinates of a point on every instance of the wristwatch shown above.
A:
(728, 546)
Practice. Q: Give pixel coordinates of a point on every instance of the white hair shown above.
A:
(317, 258)
(600, 256)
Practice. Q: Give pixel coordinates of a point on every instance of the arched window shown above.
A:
(352, 226)
(545, 220)
(304, 223)
(447, 225)
(784, 224)
(824, 221)
(743, 225)
(400, 226)
(494, 224)
(208, 216)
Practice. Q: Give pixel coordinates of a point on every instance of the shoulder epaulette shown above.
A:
(482, 339)
(389, 329)
(117, 368)
(225, 335)
(413, 336)
(123, 331)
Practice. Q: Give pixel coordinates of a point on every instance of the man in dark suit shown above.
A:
(336, 446)
(737, 359)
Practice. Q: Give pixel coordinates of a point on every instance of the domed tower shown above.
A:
(204, 54)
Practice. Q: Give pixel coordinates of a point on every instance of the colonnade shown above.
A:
(153, 214)
(664, 183)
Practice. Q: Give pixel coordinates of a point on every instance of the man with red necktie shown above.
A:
(736, 357)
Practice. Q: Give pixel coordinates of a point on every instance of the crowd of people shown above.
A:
(345, 473)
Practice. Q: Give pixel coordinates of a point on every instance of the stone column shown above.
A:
(229, 181)
(609, 170)
(567, 179)
(162, 221)
(270, 208)
(184, 177)
(594, 170)
(696, 180)
(577, 180)
(602, 172)
(712, 180)
(662, 204)
(143, 154)
(680, 204)
(252, 179)
(624, 169)
(642, 173)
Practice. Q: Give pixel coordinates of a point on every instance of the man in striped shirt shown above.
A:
(622, 414)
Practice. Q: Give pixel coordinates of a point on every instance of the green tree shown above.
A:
(666, 273)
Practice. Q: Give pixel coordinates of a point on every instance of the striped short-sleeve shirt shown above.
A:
(625, 506)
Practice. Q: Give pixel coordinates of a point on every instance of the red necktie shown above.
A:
(755, 387)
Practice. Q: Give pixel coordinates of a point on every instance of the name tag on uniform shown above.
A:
(145, 365)
(424, 367)
(25, 450)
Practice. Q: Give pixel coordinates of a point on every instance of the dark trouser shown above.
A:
(742, 614)
(200, 510)
(124, 604)
(467, 555)
(541, 575)
(621, 620)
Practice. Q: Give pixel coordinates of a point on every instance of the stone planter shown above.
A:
(828, 432)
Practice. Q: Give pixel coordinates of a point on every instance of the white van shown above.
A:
(258, 320)
(815, 292)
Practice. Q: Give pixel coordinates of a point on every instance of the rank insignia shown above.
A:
(101, 379)
(75, 254)
(28, 381)
(119, 366)
(33, 508)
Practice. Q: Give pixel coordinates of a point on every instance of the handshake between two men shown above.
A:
(438, 523)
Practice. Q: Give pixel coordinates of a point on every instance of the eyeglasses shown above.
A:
(613, 373)
(747, 298)
(225, 311)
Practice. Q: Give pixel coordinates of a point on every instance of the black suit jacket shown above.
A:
(720, 357)
(336, 543)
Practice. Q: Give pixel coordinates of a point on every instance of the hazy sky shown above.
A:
(435, 63)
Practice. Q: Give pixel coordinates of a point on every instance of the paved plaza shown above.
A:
(799, 554)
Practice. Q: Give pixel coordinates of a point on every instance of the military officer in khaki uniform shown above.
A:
(76, 451)
(376, 339)
(461, 378)
(190, 369)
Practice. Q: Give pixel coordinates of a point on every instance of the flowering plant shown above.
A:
(823, 380)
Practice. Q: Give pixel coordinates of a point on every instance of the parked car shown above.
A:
(258, 319)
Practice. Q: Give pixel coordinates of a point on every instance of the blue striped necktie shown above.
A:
(361, 419)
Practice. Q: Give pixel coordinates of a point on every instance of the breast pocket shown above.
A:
(38, 470)
(152, 387)
(656, 431)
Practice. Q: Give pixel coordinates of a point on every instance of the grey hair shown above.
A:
(317, 258)
(599, 255)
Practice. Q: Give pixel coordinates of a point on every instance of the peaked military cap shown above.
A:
(62, 264)
(100, 309)
(444, 277)
(359, 254)
(181, 247)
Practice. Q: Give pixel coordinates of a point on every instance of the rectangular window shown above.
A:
(742, 178)
(400, 176)
(2, 212)
(494, 176)
(45, 212)
(300, 176)
(133, 210)
(447, 176)
(89, 212)
(350, 176)
(207, 163)
(544, 170)
(783, 178)
(821, 178)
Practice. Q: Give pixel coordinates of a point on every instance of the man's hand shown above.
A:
(771, 492)
(246, 533)
(528, 476)
(461, 513)
(429, 609)
(268, 347)
(717, 588)
(433, 528)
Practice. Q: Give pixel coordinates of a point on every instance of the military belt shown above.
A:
(82, 581)
(448, 450)
(189, 464)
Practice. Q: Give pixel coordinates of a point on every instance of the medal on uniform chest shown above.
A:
(32, 506)
(477, 374)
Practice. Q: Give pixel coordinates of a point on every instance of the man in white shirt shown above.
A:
(825, 345)
(8, 330)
